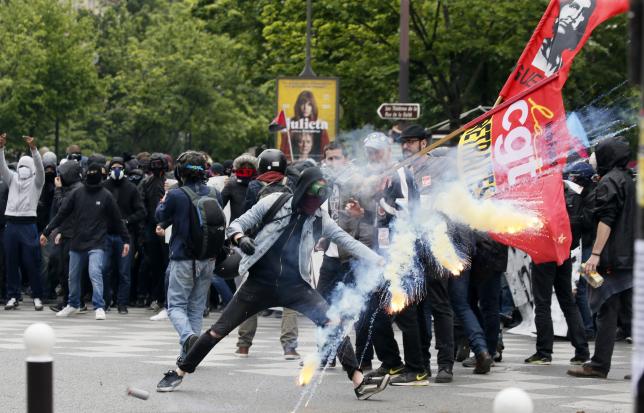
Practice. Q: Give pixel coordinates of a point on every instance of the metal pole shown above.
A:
(39, 340)
(308, 70)
(403, 59)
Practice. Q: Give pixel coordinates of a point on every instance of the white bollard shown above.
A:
(513, 400)
(39, 341)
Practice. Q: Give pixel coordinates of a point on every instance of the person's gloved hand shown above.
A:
(247, 245)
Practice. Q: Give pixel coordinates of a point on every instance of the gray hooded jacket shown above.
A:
(23, 193)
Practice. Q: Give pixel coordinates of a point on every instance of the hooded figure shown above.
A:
(21, 232)
(310, 191)
(47, 195)
(234, 192)
(94, 177)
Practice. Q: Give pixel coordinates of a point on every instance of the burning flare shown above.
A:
(501, 217)
(443, 249)
(398, 300)
(308, 370)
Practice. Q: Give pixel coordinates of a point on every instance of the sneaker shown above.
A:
(82, 309)
(538, 360)
(163, 315)
(67, 311)
(56, 308)
(578, 361)
(291, 355)
(100, 314)
(154, 306)
(410, 378)
(38, 304)
(327, 365)
(381, 372)
(483, 363)
(242, 352)
(469, 362)
(586, 371)
(12, 304)
(277, 314)
(170, 381)
(629, 339)
(122, 309)
(444, 375)
(369, 387)
(266, 313)
(498, 357)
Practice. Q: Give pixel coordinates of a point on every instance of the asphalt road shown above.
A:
(95, 362)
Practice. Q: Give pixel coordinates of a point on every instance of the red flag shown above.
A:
(516, 152)
(278, 123)
(562, 32)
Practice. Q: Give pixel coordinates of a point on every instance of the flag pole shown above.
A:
(290, 143)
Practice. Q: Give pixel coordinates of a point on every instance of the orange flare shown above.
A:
(306, 374)
(398, 301)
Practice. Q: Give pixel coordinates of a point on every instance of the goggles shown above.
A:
(318, 189)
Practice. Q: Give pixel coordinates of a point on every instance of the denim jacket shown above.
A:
(268, 235)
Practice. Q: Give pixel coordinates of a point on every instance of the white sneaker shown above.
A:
(37, 304)
(163, 315)
(67, 311)
(100, 314)
(12, 304)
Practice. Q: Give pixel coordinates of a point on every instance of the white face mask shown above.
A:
(24, 172)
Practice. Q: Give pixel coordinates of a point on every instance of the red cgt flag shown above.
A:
(517, 152)
(562, 32)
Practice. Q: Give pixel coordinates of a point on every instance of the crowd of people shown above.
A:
(120, 232)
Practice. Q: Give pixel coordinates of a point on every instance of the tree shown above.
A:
(47, 66)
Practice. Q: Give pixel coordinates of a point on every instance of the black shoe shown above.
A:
(444, 375)
(277, 314)
(538, 360)
(578, 361)
(56, 308)
(483, 363)
(122, 309)
(369, 387)
(171, 380)
(140, 303)
(498, 357)
(381, 372)
(463, 352)
(469, 362)
(410, 378)
(266, 313)
(82, 309)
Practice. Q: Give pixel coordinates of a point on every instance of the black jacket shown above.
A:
(45, 203)
(93, 210)
(151, 189)
(129, 202)
(235, 193)
(70, 175)
(615, 204)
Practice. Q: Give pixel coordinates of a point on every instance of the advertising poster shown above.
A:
(311, 108)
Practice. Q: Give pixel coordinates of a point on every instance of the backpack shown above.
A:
(575, 209)
(271, 188)
(207, 225)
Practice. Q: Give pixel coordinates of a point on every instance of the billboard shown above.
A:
(311, 108)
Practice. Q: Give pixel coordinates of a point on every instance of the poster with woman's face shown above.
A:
(310, 106)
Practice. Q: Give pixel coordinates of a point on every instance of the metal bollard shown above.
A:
(39, 341)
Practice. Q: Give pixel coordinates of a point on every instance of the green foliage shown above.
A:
(164, 75)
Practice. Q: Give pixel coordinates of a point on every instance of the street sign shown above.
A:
(399, 111)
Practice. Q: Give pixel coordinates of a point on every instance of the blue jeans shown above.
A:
(78, 260)
(459, 296)
(187, 294)
(222, 288)
(113, 254)
(22, 257)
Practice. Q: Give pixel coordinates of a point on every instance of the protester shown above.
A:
(133, 212)
(21, 249)
(612, 252)
(93, 210)
(291, 229)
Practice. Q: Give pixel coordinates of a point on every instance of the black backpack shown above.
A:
(273, 187)
(207, 225)
(575, 209)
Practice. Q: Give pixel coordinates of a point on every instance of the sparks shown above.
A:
(306, 374)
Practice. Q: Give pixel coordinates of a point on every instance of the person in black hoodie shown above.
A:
(244, 171)
(613, 251)
(70, 175)
(132, 210)
(93, 209)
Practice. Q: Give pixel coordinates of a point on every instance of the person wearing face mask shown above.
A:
(93, 210)
(133, 213)
(22, 252)
(43, 212)
(278, 266)
(234, 192)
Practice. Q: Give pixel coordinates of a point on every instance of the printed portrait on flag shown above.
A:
(568, 30)
(310, 106)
